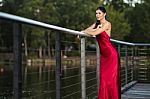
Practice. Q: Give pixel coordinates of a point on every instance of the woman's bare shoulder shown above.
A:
(107, 23)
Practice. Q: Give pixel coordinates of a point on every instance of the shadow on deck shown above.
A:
(138, 91)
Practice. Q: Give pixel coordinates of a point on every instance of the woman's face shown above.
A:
(100, 15)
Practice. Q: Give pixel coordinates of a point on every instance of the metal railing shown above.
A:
(130, 63)
(87, 82)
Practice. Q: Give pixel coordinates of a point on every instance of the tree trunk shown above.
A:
(40, 52)
(25, 45)
(48, 44)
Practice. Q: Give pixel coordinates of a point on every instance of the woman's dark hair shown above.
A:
(104, 11)
(97, 23)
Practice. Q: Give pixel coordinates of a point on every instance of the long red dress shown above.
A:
(109, 69)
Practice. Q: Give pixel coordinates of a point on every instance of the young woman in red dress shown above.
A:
(109, 59)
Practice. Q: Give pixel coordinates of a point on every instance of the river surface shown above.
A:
(38, 82)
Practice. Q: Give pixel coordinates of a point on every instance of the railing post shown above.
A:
(17, 72)
(126, 64)
(119, 49)
(83, 76)
(98, 65)
(133, 65)
(58, 65)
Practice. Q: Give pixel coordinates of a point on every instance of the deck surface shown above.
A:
(138, 91)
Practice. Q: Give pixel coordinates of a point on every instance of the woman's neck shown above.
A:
(103, 21)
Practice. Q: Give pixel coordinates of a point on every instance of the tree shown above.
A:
(6, 27)
(118, 5)
(139, 19)
(41, 10)
(120, 25)
(76, 14)
(38, 41)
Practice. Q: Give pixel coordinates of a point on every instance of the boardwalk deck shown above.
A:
(139, 91)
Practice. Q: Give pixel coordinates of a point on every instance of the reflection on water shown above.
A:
(6, 79)
(39, 82)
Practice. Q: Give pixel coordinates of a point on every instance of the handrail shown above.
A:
(122, 42)
(141, 44)
(45, 25)
(128, 43)
(37, 23)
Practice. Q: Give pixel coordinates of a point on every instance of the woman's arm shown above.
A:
(97, 31)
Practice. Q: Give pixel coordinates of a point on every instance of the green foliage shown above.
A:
(139, 17)
(119, 5)
(77, 15)
(120, 25)
(38, 35)
(40, 10)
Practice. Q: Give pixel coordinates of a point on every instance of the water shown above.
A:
(39, 82)
(6, 79)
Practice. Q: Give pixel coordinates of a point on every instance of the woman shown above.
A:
(109, 59)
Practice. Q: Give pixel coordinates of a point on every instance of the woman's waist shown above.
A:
(107, 46)
(107, 49)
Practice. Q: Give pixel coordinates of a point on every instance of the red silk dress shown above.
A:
(109, 69)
